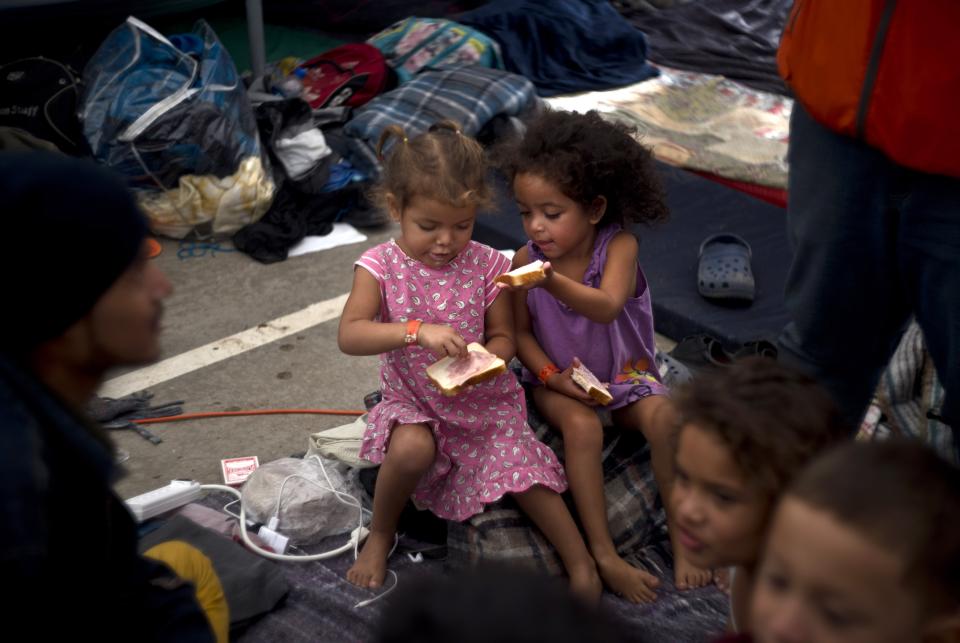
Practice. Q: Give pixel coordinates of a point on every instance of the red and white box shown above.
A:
(237, 470)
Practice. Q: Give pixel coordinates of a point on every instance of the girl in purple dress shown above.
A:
(428, 294)
(578, 180)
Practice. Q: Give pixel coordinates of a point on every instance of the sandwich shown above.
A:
(528, 274)
(453, 374)
(589, 383)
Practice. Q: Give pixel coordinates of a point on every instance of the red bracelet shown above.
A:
(547, 371)
(413, 332)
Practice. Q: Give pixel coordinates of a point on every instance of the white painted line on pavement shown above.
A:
(224, 348)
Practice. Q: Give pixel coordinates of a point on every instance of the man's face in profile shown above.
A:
(124, 324)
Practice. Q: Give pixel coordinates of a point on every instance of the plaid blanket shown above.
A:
(638, 526)
(502, 533)
(470, 96)
(908, 399)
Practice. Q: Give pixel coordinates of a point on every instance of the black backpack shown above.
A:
(40, 96)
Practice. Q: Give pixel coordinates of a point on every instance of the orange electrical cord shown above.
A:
(221, 414)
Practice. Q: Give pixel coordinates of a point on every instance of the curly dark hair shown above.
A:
(774, 420)
(589, 157)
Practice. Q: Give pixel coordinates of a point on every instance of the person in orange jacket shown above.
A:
(874, 192)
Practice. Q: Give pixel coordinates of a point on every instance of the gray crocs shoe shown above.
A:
(673, 372)
(724, 271)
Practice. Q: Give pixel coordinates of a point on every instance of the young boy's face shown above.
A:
(719, 515)
(822, 582)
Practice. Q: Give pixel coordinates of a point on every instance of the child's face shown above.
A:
(820, 581)
(433, 232)
(719, 515)
(553, 221)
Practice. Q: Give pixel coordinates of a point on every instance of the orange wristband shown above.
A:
(413, 331)
(547, 371)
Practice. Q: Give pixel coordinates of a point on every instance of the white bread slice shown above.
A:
(452, 375)
(528, 274)
(589, 383)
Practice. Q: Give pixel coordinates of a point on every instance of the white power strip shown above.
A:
(153, 503)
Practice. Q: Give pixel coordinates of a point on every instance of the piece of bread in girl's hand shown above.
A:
(589, 383)
(528, 274)
(452, 375)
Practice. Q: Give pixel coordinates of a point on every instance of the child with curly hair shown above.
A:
(579, 180)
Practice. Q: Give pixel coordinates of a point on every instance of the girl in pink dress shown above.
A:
(427, 295)
(579, 180)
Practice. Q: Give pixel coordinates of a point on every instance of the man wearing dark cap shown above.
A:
(81, 297)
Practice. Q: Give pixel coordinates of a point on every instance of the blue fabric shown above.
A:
(468, 96)
(875, 243)
(342, 174)
(565, 46)
(208, 131)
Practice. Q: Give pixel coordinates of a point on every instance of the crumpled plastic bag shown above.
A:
(158, 109)
(309, 510)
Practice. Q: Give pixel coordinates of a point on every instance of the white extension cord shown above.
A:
(357, 536)
(273, 537)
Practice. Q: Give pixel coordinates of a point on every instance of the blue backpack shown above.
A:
(414, 44)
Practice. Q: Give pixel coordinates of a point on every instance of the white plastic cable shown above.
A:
(376, 598)
(356, 536)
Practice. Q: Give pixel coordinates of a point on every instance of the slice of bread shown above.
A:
(452, 375)
(528, 274)
(589, 383)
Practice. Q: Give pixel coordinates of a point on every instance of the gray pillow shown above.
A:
(252, 585)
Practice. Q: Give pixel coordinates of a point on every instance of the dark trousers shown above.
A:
(874, 244)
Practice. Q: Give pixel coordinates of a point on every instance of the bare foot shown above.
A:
(585, 583)
(686, 575)
(371, 566)
(635, 585)
(721, 578)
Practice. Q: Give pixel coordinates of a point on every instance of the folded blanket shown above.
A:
(469, 96)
